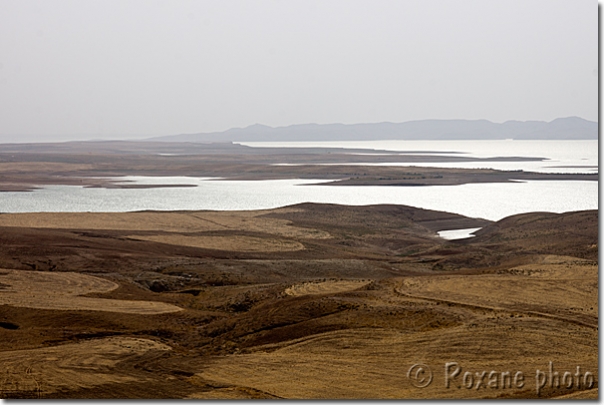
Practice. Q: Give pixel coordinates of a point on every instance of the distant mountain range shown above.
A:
(561, 128)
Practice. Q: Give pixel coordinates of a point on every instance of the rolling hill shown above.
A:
(561, 128)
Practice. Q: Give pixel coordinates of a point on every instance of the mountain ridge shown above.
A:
(571, 128)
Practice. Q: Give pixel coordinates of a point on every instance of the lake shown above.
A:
(491, 201)
(576, 156)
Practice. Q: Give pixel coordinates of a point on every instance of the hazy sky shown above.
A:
(86, 69)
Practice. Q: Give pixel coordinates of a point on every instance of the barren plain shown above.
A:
(306, 301)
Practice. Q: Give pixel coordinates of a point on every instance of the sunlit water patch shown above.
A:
(455, 234)
(485, 200)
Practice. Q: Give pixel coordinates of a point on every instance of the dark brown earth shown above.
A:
(308, 301)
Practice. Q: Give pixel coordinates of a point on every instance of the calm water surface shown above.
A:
(490, 201)
(562, 156)
(458, 233)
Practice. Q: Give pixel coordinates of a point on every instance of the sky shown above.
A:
(109, 69)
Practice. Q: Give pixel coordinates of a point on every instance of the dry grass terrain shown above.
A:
(69, 367)
(65, 291)
(325, 287)
(309, 301)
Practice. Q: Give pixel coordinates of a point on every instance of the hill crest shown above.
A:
(571, 128)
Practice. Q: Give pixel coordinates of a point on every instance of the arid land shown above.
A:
(306, 301)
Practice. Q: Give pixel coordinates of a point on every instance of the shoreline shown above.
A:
(25, 167)
(403, 176)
